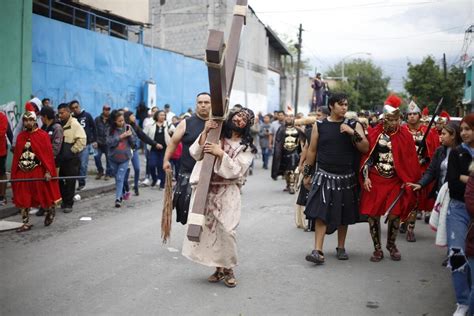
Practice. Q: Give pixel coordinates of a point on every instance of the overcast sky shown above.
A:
(392, 31)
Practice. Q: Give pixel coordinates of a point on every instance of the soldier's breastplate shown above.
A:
(418, 138)
(291, 139)
(28, 160)
(384, 157)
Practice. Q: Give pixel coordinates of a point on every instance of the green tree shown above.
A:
(426, 85)
(365, 84)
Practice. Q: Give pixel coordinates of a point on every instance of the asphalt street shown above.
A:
(115, 264)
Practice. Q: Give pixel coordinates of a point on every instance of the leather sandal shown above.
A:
(24, 228)
(395, 255)
(229, 278)
(217, 276)
(316, 256)
(49, 218)
(341, 254)
(377, 256)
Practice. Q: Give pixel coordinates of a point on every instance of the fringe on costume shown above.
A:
(166, 215)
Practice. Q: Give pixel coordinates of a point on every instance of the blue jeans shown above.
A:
(155, 162)
(457, 223)
(119, 170)
(102, 150)
(84, 156)
(266, 153)
(136, 171)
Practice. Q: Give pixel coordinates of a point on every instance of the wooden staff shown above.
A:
(42, 179)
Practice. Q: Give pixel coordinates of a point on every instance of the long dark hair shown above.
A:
(247, 139)
(114, 115)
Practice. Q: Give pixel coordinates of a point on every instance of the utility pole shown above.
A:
(445, 70)
(298, 65)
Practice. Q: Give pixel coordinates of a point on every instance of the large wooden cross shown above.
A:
(221, 62)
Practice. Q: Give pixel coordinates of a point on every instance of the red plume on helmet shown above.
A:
(425, 111)
(30, 107)
(392, 104)
(445, 114)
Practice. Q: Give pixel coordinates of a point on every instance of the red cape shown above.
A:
(403, 150)
(432, 140)
(404, 158)
(37, 193)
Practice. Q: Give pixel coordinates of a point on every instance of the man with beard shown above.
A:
(286, 156)
(186, 133)
(33, 158)
(333, 198)
(418, 130)
(234, 154)
(386, 169)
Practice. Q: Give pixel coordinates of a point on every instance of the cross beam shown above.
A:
(221, 62)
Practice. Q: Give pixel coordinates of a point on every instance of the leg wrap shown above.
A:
(25, 215)
(374, 227)
(393, 225)
(290, 180)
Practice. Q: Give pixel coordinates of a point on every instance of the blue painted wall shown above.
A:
(74, 63)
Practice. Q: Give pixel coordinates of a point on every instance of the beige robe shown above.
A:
(217, 246)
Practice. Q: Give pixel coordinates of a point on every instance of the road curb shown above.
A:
(85, 194)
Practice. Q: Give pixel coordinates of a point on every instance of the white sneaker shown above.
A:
(146, 182)
(461, 310)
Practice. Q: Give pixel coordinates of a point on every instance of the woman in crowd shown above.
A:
(120, 143)
(438, 167)
(132, 121)
(458, 220)
(159, 133)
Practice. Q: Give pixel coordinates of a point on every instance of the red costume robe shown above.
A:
(385, 190)
(35, 193)
(425, 202)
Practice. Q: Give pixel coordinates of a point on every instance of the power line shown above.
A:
(373, 5)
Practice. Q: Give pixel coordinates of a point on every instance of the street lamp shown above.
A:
(343, 58)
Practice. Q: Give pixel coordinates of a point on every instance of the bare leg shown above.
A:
(341, 236)
(319, 234)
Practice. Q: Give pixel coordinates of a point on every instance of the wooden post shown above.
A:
(221, 62)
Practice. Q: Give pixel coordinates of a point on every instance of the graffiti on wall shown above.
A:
(13, 113)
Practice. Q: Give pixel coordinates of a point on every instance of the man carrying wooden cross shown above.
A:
(234, 154)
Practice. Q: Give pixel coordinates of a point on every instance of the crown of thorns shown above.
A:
(249, 115)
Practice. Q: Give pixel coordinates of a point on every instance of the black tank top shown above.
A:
(194, 127)
(335, 152)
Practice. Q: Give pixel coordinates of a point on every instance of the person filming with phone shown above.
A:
(120, 142)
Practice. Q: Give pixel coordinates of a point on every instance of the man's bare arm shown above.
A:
(174, 142)
(312, 148)
(363, 145)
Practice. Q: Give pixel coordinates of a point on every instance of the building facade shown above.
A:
(260, 78)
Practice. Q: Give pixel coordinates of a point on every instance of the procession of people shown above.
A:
(343, 170)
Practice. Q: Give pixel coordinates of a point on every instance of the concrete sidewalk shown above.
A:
(93, 187)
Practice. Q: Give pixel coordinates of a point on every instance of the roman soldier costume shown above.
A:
(425, 203)
(287, 154)
(385, 170)
(33, 158)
